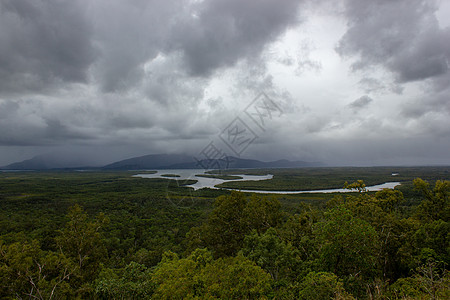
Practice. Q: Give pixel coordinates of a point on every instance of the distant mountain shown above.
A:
(171, 161)
(47, 161)
(153, 161)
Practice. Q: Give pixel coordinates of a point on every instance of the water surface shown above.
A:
(204, 182)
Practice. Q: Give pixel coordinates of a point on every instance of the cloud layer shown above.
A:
(167, 76)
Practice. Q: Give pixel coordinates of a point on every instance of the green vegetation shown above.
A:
(170, 175)
(224, 177)
(330, 178)
(108, 235)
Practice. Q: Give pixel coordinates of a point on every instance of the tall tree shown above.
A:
(81, 242)
(349, 248)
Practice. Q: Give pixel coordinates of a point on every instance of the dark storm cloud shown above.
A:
(149, 76)
(56, 130)
(128, 34)
(402, 35)
(43, 42)
(126, 55)
(208, 35)
(219, 33)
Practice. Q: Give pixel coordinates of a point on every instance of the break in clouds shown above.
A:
(359, 82)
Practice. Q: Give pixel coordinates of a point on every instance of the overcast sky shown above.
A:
(356, 82)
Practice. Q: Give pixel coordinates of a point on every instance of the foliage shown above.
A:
(269, 252)
(232, 219)
(81, 241)
(107, 235)
(132, 282)
(199, 276)
(436, 204)
(27, 271)
(349, 248)
(431, 281)
(323, 285)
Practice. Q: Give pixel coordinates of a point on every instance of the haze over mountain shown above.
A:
(173, 161)
(152, 161)
(158, 161)
(51, 161)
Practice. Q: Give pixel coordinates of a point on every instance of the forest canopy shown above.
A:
(124, 242)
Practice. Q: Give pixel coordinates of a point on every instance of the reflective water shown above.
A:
(204, 182)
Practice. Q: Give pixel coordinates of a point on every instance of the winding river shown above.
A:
(205, 182)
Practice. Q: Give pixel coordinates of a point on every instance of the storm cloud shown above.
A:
(404, 36)
(114, 79)
(43, 43)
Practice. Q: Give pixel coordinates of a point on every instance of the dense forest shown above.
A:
(110, 236)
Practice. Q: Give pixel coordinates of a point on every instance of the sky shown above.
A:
(348, 82)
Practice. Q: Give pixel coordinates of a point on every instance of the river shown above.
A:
(204, 182)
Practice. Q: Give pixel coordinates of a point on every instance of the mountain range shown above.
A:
(158, 161)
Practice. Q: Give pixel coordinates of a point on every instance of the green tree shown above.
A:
(235, 278)
(180, 278)
(27, 271)
(431, 281)
(232, 218)
(270, 253)
(380, 211)
(200, 277)
(349, 248)
(132, 282)
(388, 200)
(359, 186)
(322, 285)
(262, 213)
(432, 240)
(227, 225)
(435, 206)
(298, 230)
(81, 242)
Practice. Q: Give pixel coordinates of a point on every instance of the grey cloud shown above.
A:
(129, 34)
(8, 108)
(42, 43)
(373, 85)
(208, 35)
(439, 103)
(221, 32)
(403, 35)
(136, 76)
(167, 83)
(33, 123)
(361, 102)
(56, 130)
(427, 58)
